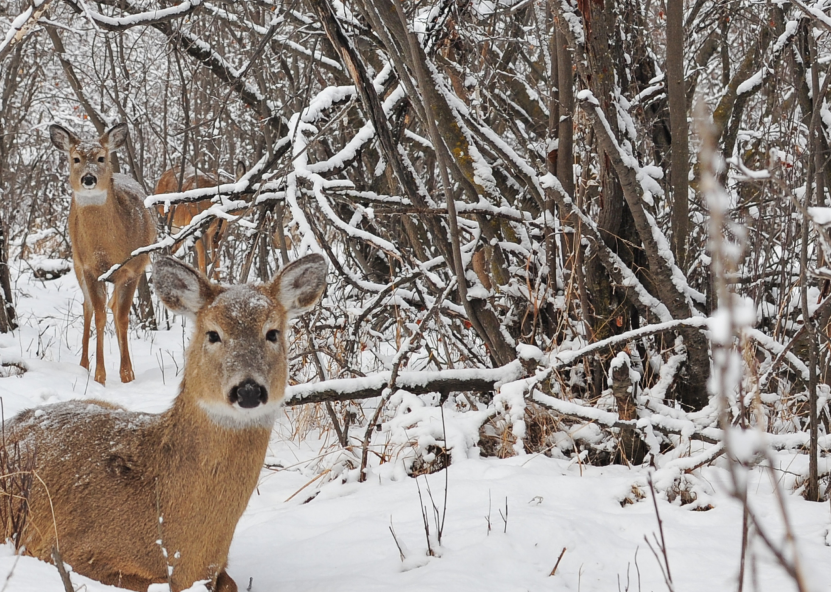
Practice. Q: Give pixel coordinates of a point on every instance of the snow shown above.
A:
(18, 26)
(751, 83)
(144, 17)
(821, 216)
(305, 531)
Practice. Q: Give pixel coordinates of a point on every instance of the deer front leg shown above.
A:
(87, 318)
(122, 300)
(87, 331)
(97, 294)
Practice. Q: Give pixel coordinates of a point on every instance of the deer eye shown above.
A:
(100, 159)
(272, 335)
(76, 160)
(213, 337)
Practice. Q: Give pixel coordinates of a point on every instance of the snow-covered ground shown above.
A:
(341, 539)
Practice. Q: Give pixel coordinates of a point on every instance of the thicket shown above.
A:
(610, 211)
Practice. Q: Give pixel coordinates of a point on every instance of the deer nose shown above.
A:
(89, 181)
(248, 394)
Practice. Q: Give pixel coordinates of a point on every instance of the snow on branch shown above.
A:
(21, 25)
(755, 82)
(150, 17)
(670, 280)
(478, 380)
(292, 46)
(422, 382)
(201, 219)
(814, 12)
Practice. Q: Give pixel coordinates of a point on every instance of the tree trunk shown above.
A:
(7, 314)
(676, 92)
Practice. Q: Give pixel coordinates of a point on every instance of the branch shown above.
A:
(22, 25)
(419, 383)
(480, 380)
(149, 18)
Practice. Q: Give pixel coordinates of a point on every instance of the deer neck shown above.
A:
(193, 442)
(94, 197)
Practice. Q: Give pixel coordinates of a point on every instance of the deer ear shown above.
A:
(300, 284)
(62, 138)
(181, 288)
(115, 137)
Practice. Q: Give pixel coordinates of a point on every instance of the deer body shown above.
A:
(107, 222)
(112, 483)
(180, 215)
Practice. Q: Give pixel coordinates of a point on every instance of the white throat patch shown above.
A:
(90, 197)
(233, 417)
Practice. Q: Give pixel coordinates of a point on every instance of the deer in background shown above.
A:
(107, 222)
(180, 215)
(137, 498)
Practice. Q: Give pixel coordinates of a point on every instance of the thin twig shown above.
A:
(556, 565)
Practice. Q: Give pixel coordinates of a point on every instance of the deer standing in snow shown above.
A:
(107, 222)
(180, 215)
(136, 498)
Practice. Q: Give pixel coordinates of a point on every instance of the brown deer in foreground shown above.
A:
(130, 495)
(180, 215)
(107, 222)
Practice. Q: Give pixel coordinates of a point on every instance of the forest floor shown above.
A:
(341, 539)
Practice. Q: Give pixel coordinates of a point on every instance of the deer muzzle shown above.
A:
(249, 394)
(88, 181)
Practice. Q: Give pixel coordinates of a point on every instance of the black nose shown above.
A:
(89, 180)
(249, 394)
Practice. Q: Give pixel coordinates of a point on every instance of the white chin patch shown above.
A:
(234, 417)
(90, 197)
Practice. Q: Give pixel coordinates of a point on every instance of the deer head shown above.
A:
(90, 169)
(236, 368)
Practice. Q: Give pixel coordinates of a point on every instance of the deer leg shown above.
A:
(213, 238)
(87, 317)
(97, 294)
(201, 255)
(122, 300)
(87, 331)
(224, 583)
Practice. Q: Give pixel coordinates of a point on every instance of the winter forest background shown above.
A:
(591, 230)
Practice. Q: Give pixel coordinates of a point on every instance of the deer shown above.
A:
(136, 498)
(107, 222)
(180, 215)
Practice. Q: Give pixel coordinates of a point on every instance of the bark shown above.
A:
(812, 490)
(7, 314)
(680, 132)
(631, 448)
(565, 133)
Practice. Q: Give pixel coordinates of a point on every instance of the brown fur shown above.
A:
(111, 483)
(103, 235)
(181, 215)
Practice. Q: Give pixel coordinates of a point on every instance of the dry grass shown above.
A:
(17, 473)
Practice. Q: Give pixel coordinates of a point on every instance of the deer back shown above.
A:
(183, 213)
